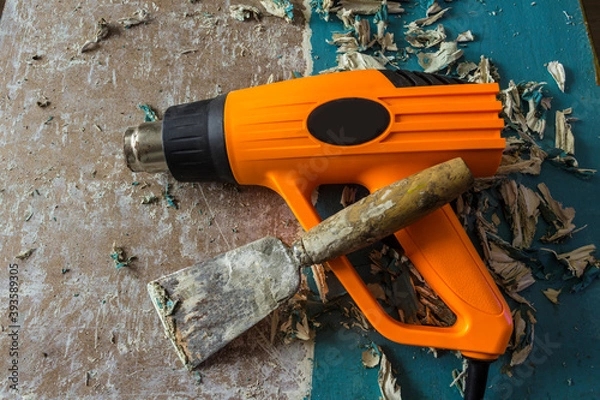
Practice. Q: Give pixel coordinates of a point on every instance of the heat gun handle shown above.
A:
(442, 252)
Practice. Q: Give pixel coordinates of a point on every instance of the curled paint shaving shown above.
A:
(557, 70)
(149, 114)
(101, 33)
(390, 390)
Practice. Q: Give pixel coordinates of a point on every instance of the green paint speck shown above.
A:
(171, 200)
(149, 114)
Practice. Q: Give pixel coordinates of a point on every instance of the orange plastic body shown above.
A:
(268, 144)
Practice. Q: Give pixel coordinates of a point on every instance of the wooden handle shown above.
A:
(384, 212)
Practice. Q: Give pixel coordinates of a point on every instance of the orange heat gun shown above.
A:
(366, 127)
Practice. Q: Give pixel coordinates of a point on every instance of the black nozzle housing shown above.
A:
(193, 136)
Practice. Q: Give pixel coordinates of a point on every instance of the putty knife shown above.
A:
(204, 307)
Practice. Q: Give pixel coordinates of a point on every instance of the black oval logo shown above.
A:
(348, 121)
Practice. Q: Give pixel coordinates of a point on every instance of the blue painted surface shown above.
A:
(520, 39)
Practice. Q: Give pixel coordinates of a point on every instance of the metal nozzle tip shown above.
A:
(143, 148)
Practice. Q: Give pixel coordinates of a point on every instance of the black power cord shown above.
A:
(476, 382)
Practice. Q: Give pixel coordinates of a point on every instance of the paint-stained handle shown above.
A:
(384, 212)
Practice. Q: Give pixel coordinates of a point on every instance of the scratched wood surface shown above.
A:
(87, 329)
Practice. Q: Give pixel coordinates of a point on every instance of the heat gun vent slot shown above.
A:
(387, 272)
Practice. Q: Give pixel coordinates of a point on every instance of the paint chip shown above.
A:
(243, 12)
(356, 61)
(444, 57)
(149, 199)
(556, 215)
(371, 356)
(513, 161)
(320, 278)
(43, 102)
(523, 337)
(459, 378)
(140, 16)
(577, 260)
(359, 319)
(28, 216)
(564, 138)
(401, 286)
(346, 42)
(538, 104)
(25, 254)
(120, 258)
(511, 273)
(279, 8)
(464, 37)
(530, 118)
(323, 8)
(348, 195)
(362, 29)
(296, 326)
(433, 14)
(522, 212)
(465, 68)
(377, 291)
(149, 113)
(557, 70)
(552, 294)
(485, 72)
(368, 7)
(418, 37)
(102, 32)
(171, 200)
(389, 388)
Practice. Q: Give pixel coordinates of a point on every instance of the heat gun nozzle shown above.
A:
(143, 148)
